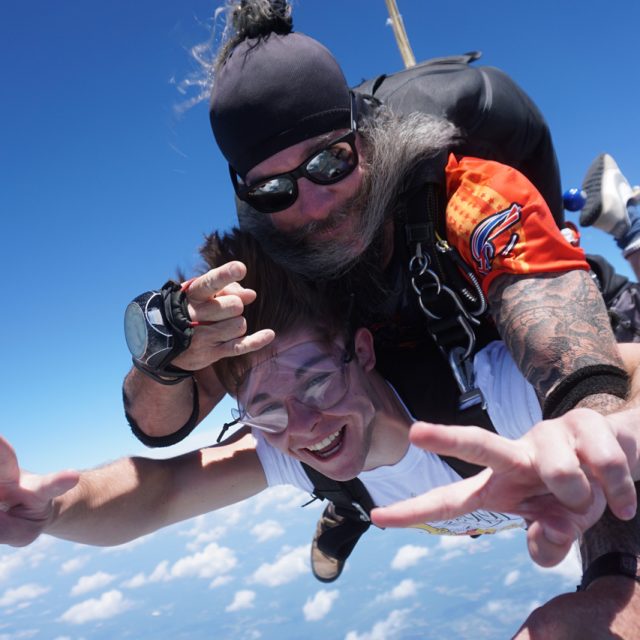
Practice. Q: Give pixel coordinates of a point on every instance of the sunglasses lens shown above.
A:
(273, 195)
(332, 164)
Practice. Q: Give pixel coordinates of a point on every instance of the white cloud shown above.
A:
(32, 556)
(8, 564)
(319, 606)
(405, 589)
(75, 564)
(454, 542)
(267, 530)
(509, 611)
(211, 562)
(110, 604)
(91, 583)
(455, 546)
(291, 564)
(408, 556)
(139, 580)
(21, 594)
(203, 532)
(220, 581)
(570, 569)
(511, 578)
(387, 629)
(242, 600)
(282, 498)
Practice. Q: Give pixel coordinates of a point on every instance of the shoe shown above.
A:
(608, 194)
(325, 567)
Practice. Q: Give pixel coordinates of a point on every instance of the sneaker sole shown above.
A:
(591, 185)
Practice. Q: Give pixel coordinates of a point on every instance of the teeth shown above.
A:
(325, 443)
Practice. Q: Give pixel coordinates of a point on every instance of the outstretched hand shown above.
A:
(26, 499)
(559, 477)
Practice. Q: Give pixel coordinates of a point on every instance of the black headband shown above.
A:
(273, 92)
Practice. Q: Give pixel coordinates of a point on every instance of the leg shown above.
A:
(611, 206)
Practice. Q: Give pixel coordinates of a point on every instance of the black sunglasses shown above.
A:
(332, 163)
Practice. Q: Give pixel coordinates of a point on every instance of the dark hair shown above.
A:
(285, 301)
(253, 19)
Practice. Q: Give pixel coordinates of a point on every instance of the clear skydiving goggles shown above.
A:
(313, 374)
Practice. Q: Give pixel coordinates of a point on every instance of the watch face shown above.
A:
(135, 330)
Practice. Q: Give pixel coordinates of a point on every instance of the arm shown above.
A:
(126, 499)
(216, 300)
(554, 324)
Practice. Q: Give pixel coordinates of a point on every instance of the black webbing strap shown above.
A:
(350, 497)
(352, 502)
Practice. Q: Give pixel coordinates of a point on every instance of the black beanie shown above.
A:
(274, 92)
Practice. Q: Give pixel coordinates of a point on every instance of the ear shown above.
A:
(365, 352)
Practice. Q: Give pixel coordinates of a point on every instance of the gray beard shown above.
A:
(393, 146)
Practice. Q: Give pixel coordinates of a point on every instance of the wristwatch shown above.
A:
(157, 328)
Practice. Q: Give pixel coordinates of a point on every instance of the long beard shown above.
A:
(393, 146)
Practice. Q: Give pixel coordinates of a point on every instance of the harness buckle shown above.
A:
(462, 369)
(364, 516)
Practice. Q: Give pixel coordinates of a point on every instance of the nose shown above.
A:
(316, 202)
(301, 418)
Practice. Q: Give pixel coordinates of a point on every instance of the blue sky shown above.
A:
(108, 187)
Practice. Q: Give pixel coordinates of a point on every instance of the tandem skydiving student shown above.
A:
(314, 397)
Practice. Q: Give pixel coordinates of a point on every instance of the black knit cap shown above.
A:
(273, 92)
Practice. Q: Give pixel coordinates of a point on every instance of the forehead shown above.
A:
(291, 157)
(287, 351)
(287, 359)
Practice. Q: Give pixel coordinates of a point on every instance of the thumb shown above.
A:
(52, 485)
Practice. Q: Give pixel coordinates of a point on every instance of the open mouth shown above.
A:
(329, 446)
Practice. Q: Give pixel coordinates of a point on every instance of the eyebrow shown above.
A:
(298, 373)
(302, 369)
(319, 144)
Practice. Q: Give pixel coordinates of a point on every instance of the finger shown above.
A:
(556, 461)
(246, 295)
(549, 542)
(442, 503)
(211, 334)
(9, 470)
(222, 307)
(210, 283)
(52, 485)
(601, 453)
(472, 444)
(246, 344)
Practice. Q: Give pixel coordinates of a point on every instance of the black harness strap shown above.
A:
(352, 501)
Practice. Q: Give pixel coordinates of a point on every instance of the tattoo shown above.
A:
(553, 324)
(610, 534)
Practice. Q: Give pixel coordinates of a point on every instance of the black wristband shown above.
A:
(587, 381)
(168, 375)
(172, 438)
(615, 563)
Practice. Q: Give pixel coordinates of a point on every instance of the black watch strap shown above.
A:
(168, 375)
(615, 563)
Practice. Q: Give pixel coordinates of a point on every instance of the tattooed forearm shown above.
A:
(553, 324)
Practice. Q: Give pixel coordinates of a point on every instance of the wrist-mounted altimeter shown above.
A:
(158, 328)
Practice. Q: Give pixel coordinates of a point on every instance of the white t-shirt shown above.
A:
(513, 408)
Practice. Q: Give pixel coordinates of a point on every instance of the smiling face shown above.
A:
(321, 409)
